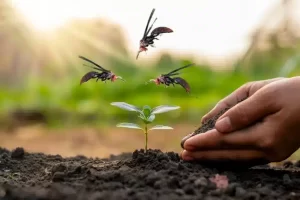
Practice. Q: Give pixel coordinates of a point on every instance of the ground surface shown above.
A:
(137, 175)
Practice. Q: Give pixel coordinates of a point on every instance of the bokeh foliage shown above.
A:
(43, 74)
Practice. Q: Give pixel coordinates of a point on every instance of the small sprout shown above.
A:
(147, 114)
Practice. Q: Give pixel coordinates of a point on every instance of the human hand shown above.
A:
(265, 126)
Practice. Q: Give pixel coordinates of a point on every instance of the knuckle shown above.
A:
(241, 115)
(267, 143)
(271, 147)
(222, 104)
(248, 85)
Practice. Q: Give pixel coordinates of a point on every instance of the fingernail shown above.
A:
(223, 125)
(184, 139)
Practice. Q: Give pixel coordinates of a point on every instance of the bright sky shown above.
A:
(213, 28)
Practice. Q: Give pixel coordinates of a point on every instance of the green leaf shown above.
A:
(142, 116)
(147, 111)
(163, 109)
(151, 118)
(129, 125)
(126, 106)
(160, 127)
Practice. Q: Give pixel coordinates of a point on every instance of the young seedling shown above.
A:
(147, 114)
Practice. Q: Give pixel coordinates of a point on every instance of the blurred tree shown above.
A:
(26, 52)
(16, 45)
(271, 47)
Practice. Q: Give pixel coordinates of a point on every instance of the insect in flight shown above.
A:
(149, 39)
(167, 79)
(103, 75)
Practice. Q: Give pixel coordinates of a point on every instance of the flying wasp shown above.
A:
(149, 39)
(167, 79)
(104, 74)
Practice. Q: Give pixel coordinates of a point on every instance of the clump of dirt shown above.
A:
(207, 125)
(138, 175)
(18, 153)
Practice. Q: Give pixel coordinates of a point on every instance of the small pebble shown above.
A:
(252, 196)
(188, 189)
(264, 190)
(58, 176)
(286, 179)
(231, 189)
(201, 182)
(239, 192)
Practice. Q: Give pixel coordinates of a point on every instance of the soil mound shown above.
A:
(138, 175)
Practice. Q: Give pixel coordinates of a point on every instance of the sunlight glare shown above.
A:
(48, 15)
(209, 28)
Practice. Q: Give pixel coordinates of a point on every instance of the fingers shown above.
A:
(256, 137)
(241, 93)
(248, 112)
(214, 140)
(219, 155)
(229, 101)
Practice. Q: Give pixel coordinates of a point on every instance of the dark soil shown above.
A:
(207, 125)
(137, 175)
(140, 175)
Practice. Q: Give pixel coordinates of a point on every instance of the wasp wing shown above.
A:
(183, 83)
(172, 73)
(91, 67)
(88, 60)
(160, 30)
(149, 19)
(150, 27)
(88, 76)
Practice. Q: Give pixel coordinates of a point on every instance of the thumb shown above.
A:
(247, 112)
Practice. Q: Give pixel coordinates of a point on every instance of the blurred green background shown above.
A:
(40, 73)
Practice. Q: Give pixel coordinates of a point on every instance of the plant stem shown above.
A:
(146, 135)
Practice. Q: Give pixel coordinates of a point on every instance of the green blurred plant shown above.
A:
(147, 114)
